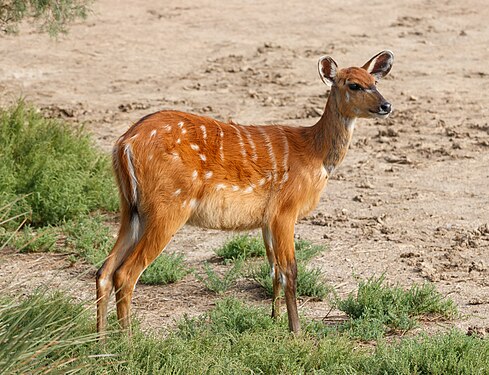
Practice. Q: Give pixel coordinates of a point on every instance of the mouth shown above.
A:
(380, 114)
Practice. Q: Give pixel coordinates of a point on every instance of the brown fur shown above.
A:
(174, 168)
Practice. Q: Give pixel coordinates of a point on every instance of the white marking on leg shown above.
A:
(269, 147)
(220, 187)
(193, 203)
(194, 147)
(103, 282)
(132, 174)
(153, 133)
(254, 155)
(177, 192)
(204, 132)
(194, 175)
(208, 175)
(203, 157)
(282, 280)
(240, 141)
(272, 273)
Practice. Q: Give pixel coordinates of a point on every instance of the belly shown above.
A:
(229, 211)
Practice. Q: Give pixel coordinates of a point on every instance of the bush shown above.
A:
(54, 166)
(166, 269)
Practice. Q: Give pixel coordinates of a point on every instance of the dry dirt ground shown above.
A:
(411, 198)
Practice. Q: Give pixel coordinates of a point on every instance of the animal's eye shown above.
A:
(354, 86)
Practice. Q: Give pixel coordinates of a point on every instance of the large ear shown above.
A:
(380, 65)
(327, 70)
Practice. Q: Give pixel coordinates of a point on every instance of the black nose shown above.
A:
(386, 107)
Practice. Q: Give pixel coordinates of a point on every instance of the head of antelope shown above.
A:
(355, 89)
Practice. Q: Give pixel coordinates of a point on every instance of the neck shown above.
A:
(332, 133)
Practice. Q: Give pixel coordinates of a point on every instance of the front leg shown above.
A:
(282, 230)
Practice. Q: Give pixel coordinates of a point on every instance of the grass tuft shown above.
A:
(220, 284)
(166, 269)
(241, 247)
(377, 309)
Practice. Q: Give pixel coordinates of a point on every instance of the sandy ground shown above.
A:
(411, 198)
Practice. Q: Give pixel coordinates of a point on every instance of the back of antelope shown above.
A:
(174, 168)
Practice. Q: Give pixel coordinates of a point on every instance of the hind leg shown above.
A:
(157, 234)
(276, 301)
(104, 281)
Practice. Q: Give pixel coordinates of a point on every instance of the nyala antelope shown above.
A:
(176, 168)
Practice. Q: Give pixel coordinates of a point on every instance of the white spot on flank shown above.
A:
(269, 146)
(150, 157)
(184, 131)
(204, 131)
(262, 181)
(254, 156)
(193, 203)
(220, 186)
(235, 188)
(194, 147)
(194, 175)
(285, 178)
(208, 174)
(249, 189)
(179, 141)
(184, 204)
(134, 137)
(203, 157)
(180, 124)
(167, 128)
(240, 141)
(153, 133)
(221, 145)
(175, 156)
(285, 164)
(177, 192)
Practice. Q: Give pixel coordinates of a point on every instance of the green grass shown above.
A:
(220, 284)
(42, 334)
(166, 269)
(377, 309)
(241, 247)
(45, 332)
(53, 166)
